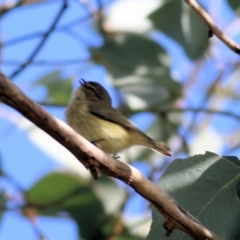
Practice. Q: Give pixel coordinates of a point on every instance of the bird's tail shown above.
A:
(162, 148)
(144, 140)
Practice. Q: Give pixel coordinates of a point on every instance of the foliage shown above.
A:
(206, 185)
(164, 68)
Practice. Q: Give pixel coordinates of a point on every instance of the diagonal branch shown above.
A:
(41, 34)
(46, 62)
(88, 154)
(213, 27)
(44, 39)
(128, 111)
(8, 6)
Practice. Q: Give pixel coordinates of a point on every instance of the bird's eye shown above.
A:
(93, 90)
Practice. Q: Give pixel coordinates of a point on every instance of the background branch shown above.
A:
(214, 30)
(42, 42)
(88, 154)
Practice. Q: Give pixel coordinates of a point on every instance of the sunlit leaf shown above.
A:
(151, 91)
(59, 89)
(205, 186)
(183, 25)
(61, 191)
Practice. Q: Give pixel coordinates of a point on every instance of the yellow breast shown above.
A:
(114, 138)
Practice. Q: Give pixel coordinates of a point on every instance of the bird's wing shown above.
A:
(110, 114)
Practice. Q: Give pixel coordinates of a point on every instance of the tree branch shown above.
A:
(127, 111)
(88, 154)
(47, 62)
(44, 39)
(213, 27)
(4, 8)
(41, 34)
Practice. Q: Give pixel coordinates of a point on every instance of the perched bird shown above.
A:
(90, 113)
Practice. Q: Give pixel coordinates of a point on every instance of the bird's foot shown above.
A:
(115, 156)
(95, 172)
(95, 142)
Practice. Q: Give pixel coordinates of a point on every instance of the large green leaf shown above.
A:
(205, 185)
(236, 161)
(59, 89)
(123, 57)
(235, 4)
(233, 159)
(61, 191)
(182, 25)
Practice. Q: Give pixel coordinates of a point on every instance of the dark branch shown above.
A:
(47, 62)
(213, 29)
(127, 111)
(41, 34)
(44, 39)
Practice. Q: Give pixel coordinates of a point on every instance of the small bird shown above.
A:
(90, 113)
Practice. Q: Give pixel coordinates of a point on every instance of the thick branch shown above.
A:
(212, 26)
(88, 154)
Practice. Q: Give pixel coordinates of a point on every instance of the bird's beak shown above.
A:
(82, 82)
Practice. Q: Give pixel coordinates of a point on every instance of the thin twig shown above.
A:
(212, 26)
(187, 109)
(44, 39)
(47, 62)
(41, 34)
(204, 110)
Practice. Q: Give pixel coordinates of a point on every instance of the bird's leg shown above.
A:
(95, 172)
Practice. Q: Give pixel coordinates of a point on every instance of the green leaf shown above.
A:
(113, 227)
(123, 57)
(3, 204)
(238, 190)
(180, 24)
(128, 236)
(61, 191)
(59, 89)
(233, 159)
(235, 4)
(204, 185)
